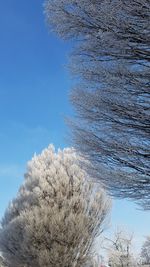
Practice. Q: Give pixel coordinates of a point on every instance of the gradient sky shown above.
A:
(34, 88)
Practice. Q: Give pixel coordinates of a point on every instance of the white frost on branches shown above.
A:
(120, 250)
(56, 215)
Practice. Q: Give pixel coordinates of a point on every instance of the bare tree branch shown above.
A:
(111, 59)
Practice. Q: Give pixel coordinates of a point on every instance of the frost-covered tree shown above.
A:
(56, 215)
(95, 262)
(2, 262)
(120, 251)
(145, 251)
(111, 58)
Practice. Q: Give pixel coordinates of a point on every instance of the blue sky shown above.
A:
(34, 88)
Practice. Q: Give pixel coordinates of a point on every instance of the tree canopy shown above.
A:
(111, 59)
(145, 251)
(56, 215)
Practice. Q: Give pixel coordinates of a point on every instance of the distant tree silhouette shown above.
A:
(145, 251)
